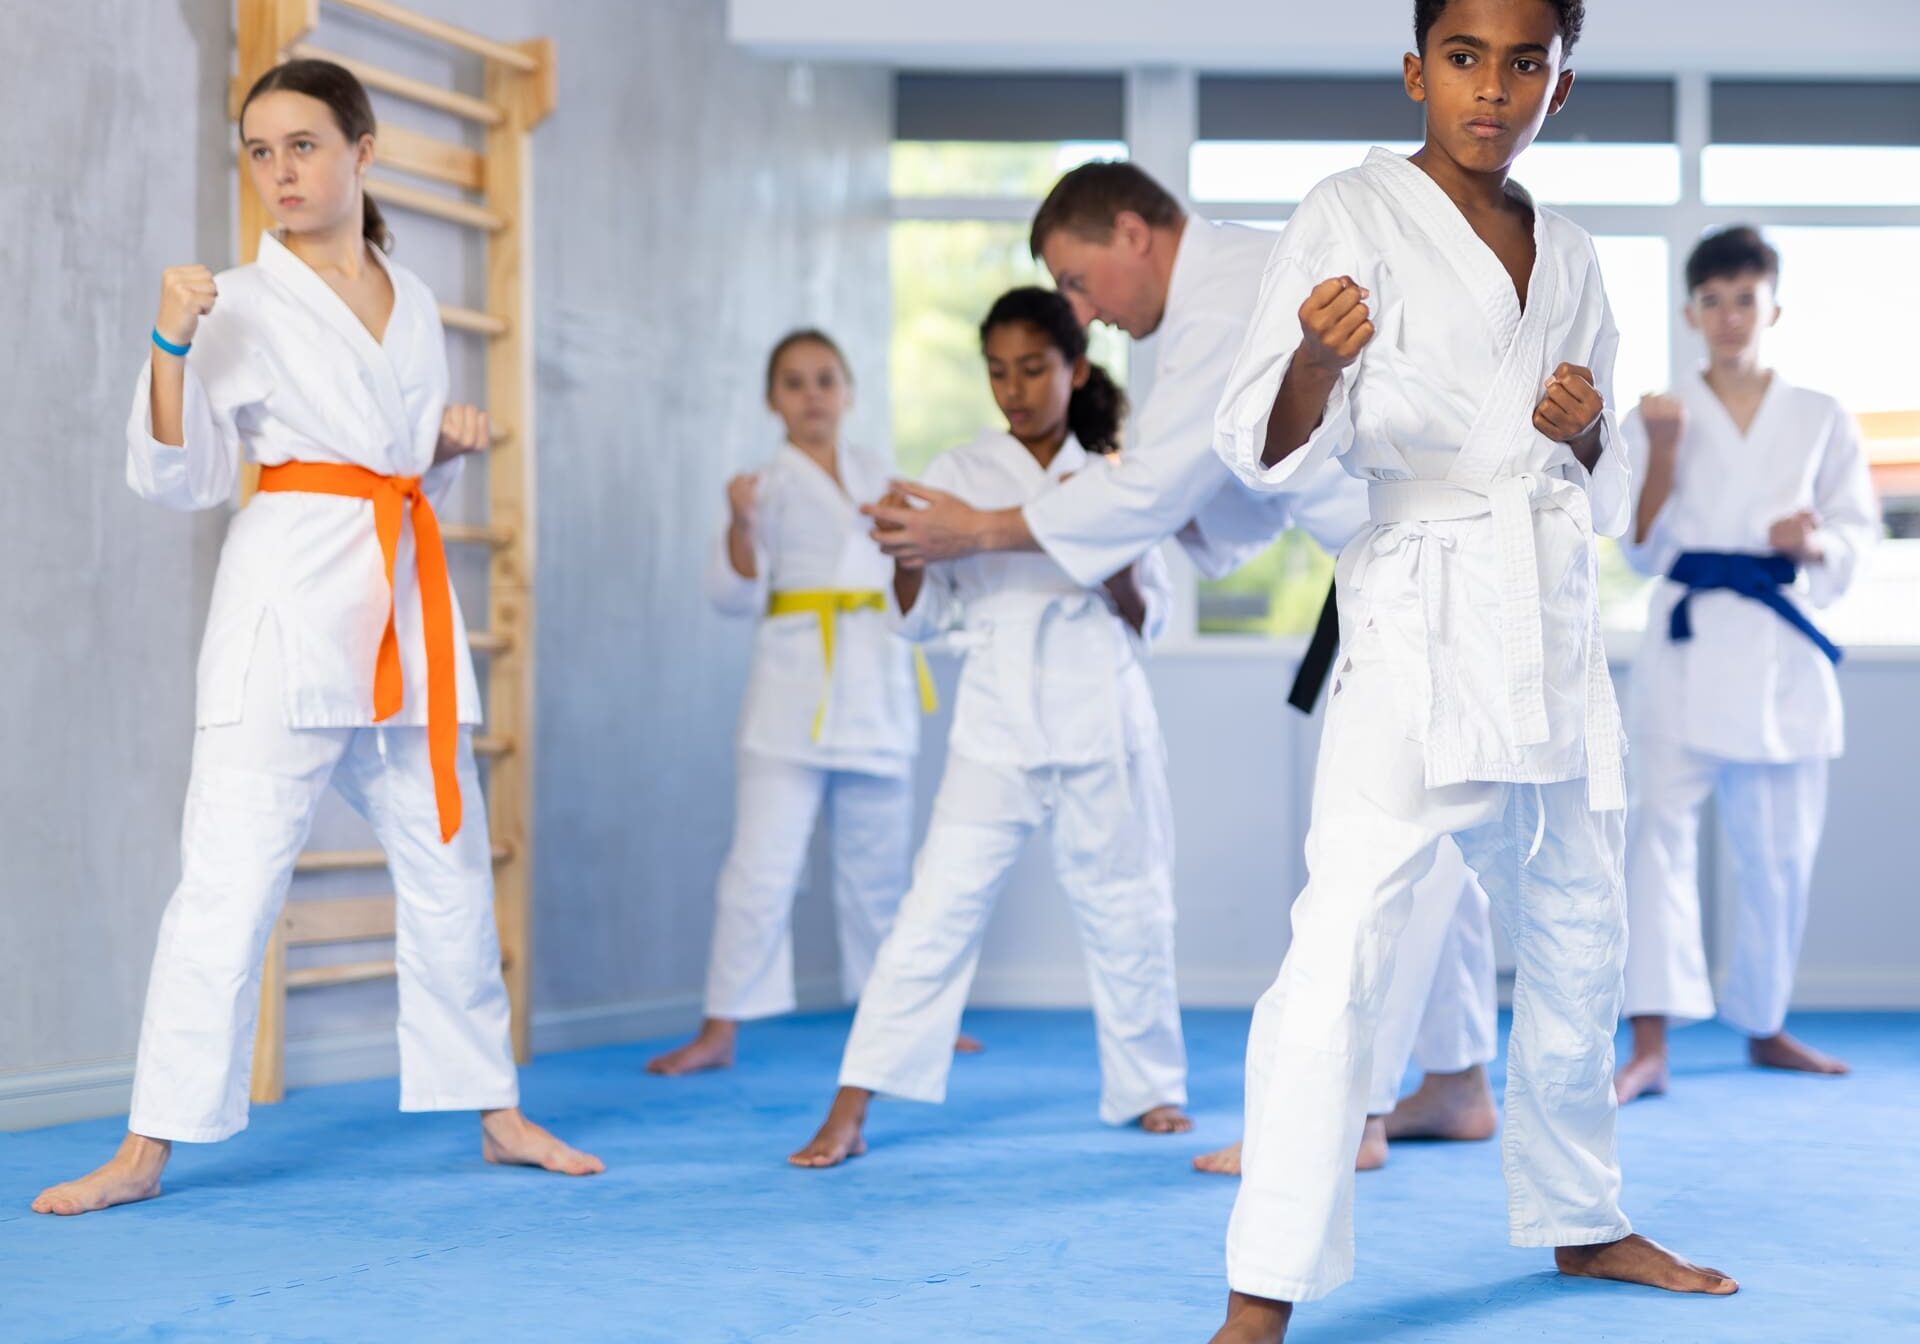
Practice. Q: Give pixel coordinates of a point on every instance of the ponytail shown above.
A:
(1096, 411)
(1098, 407)
(373, 224)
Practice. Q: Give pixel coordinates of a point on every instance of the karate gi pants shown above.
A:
(250, 802)
(750, 967)
(1374, 833)
(1112, 838)
(1442, 1009)
(1772, 814)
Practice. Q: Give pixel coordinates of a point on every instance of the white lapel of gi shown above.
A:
(331, 311)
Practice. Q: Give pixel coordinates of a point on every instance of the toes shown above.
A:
(61, 1202)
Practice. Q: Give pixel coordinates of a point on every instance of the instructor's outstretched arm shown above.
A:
(943, 526)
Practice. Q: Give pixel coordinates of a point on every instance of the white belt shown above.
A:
(1017, 647)
(1511, 502)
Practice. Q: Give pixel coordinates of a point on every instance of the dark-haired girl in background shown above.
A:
(1054, 726)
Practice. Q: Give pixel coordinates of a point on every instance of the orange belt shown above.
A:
(389, 496)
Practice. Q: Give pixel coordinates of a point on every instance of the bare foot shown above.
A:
(1781, 1051)
(839, 1137)
(1371, 1157)
(964, 1044)
(1373, 1145)
(1635, 1259)
(1165, 1120)
(133, 1174)
(1220, 1162)
(711, 1049)
(1641, 1076)
(1254, 1320)
(1453, 1106)
(1645, 1072)
(510, 1139)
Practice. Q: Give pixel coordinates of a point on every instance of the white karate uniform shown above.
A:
(1053, 726)
(807, 738)
(1748, 709)
(1472, 699)
(283, 371)
(1170, 483)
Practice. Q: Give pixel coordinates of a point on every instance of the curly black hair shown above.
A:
(1098, 407)
(1572, 14)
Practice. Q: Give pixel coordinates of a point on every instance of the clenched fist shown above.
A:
(1335, 324)
(1666, 419)
(743, 498)
(187, 294)
(1793, 535)
(1571, 406)
(463, 429)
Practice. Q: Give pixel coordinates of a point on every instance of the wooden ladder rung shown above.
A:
(425, 156)
(350, 919)
(511, 57)
(487, 641)
(477, 534)
(491, 747)
(473, 320)
(340, 973)
(350, 860)
(425, 202)
(404, 86)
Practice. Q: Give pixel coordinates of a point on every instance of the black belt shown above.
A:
(1319, 658)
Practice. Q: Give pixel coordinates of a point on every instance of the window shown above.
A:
(973, 155)
(1822, 144)
(1810, 175)
(964, 169)
(1848, 304)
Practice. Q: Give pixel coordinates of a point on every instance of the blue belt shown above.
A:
(1760, 577)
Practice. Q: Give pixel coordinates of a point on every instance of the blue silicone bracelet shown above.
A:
(175, 350)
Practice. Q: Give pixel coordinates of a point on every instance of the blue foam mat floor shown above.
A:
(1008, 1214)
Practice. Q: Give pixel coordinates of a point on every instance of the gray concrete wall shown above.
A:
(711, 202)
(690, 203)
(113, 164)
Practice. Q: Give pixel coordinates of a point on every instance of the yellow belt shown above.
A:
(825, 605)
